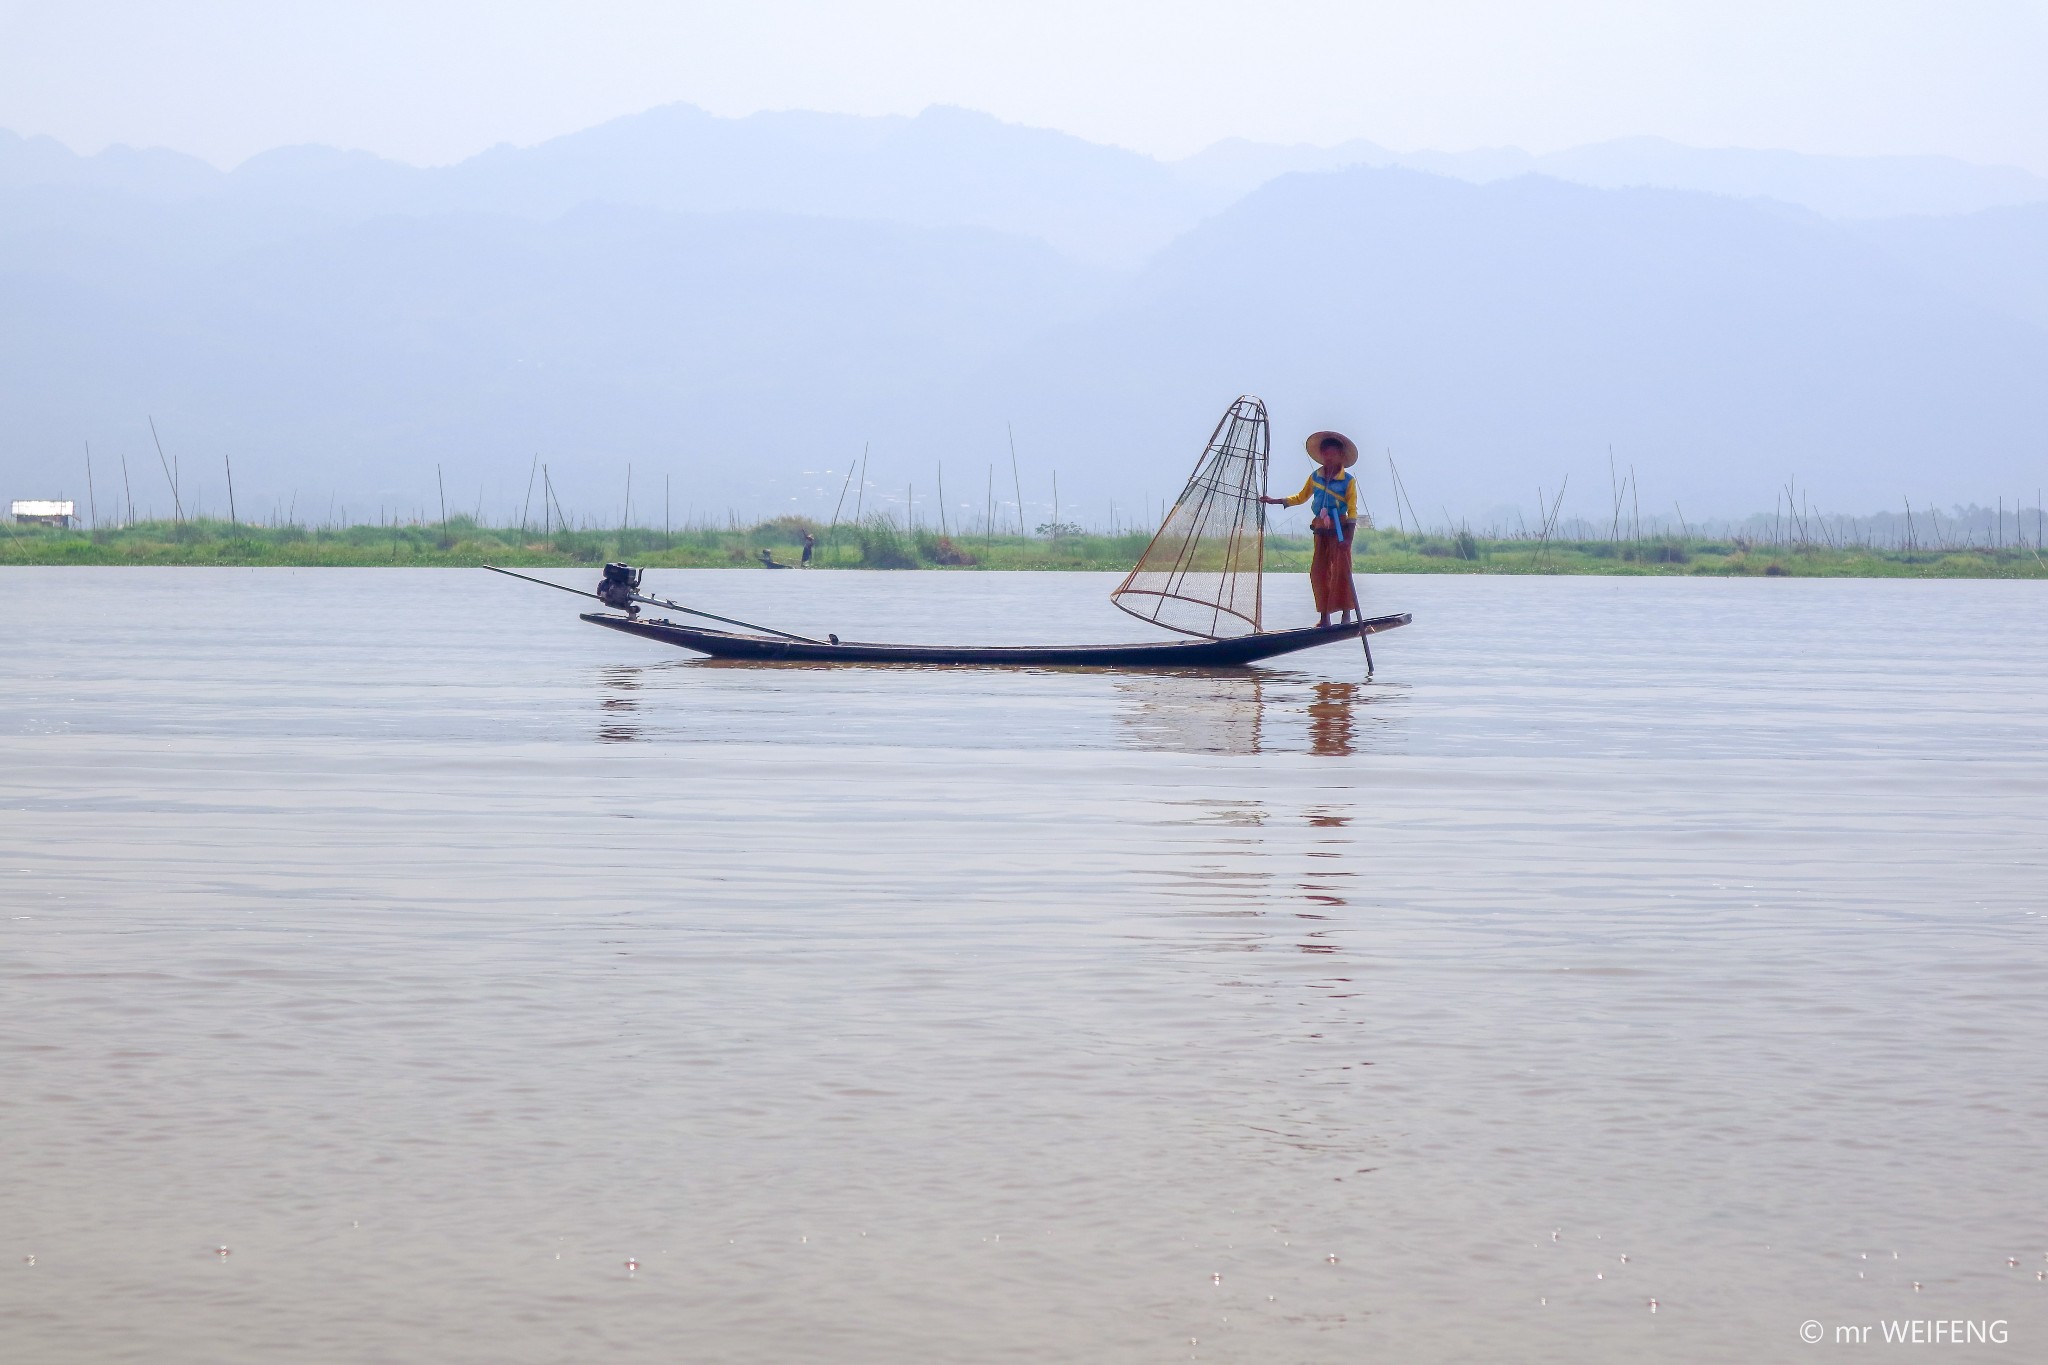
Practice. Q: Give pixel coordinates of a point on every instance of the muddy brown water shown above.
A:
(495, 988)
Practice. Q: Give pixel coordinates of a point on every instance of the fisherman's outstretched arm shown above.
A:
(1308, 489)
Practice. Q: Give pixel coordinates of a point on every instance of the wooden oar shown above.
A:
(1358, 605)
(659, 602)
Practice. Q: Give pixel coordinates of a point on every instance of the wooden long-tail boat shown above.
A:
(1236, 651)
(1201, 576)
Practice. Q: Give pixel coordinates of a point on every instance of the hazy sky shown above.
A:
(429, 81)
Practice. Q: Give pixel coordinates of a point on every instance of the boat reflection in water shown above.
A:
(1232, 713)
(1192, 713)
(925, 706)
(619, 706)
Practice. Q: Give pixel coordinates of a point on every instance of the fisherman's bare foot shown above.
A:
(1323, 620)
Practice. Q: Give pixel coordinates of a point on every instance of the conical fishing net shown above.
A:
(1201, 573)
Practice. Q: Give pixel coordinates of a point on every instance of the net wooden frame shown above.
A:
(1209, 553)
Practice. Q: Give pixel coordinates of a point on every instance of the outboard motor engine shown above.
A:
(617, 587)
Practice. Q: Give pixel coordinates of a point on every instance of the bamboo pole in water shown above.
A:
(169, 477)
(1015, 477)
(1613, 488)
(860, 489)
(843, 485)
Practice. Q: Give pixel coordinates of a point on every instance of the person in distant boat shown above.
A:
(1332, 495)
(810, 544)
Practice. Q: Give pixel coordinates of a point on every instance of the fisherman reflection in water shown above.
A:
(1332, 495)
(1332, 720)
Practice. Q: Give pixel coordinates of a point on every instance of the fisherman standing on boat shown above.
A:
(1332, 495)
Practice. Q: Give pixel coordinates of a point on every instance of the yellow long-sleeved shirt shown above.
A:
(1308, 490)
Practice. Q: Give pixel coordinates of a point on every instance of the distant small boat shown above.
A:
(1233, 652)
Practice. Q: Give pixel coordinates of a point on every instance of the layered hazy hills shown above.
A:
(944, 168)
(1838, 186)
(739, 304)
(1487, 332)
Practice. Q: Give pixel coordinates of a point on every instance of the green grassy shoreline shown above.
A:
(879, 545)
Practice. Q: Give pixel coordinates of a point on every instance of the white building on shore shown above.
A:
(44, 512)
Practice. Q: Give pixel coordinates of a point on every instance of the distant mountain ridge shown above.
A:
(1837, 186)
(953, 167)
(1503, 335)
(741, 303)
(944, 168)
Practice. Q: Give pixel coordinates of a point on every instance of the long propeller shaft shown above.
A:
(659, 602)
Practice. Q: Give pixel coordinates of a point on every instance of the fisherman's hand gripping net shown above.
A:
(1201, 574)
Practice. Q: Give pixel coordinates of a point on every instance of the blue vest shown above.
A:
(1331, 496)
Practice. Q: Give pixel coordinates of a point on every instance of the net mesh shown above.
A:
(1201, 573)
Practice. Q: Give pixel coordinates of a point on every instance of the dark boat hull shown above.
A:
(1245, 649)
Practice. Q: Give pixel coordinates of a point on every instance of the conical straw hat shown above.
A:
(1315, 446)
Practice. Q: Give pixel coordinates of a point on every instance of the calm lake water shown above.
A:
(500, 989)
